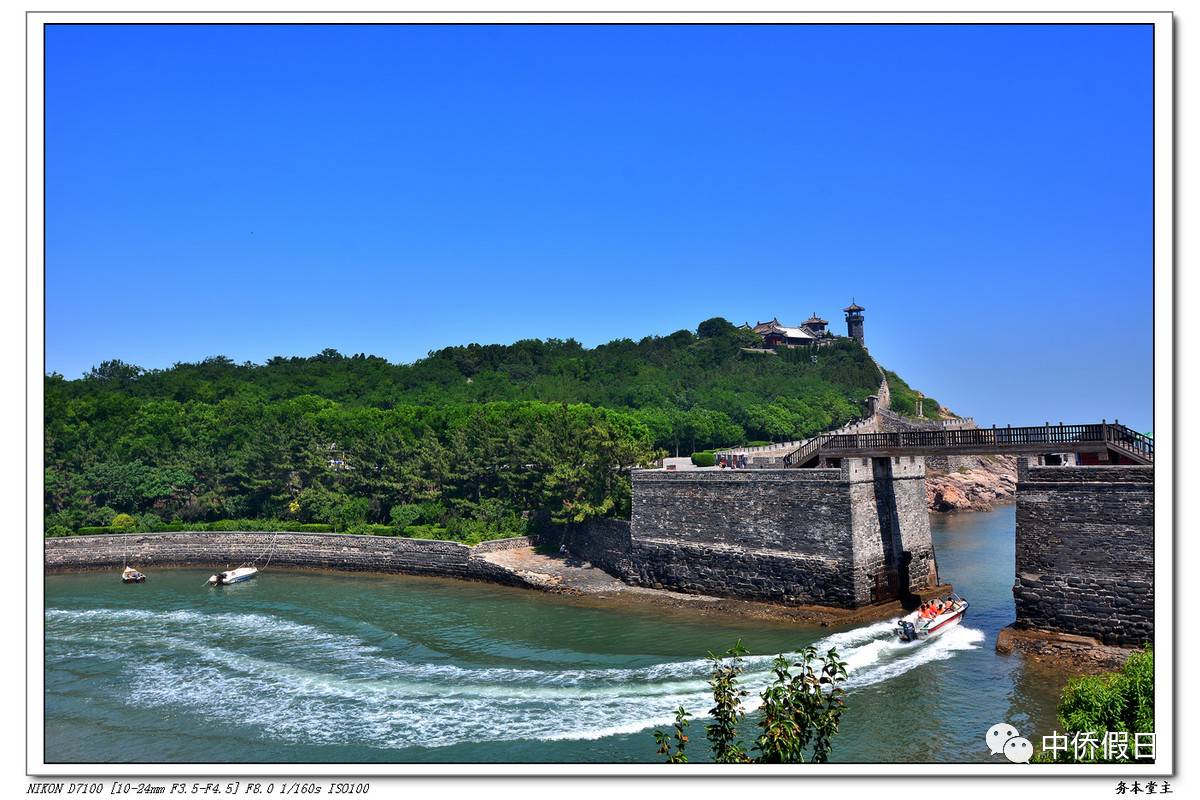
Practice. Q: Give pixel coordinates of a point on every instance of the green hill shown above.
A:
(470, 442)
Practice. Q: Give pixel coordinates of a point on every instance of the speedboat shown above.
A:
(917, 626)
(131, 575)
(232, 576)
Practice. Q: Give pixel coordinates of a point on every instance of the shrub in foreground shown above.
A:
(1119, 704)
(800, 713)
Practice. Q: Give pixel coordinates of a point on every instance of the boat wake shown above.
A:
(303, 683)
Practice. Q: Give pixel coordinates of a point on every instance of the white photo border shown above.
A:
(1164, 429)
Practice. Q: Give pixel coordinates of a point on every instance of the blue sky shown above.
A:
(984, 191)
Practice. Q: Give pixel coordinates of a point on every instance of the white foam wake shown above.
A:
(301, 683)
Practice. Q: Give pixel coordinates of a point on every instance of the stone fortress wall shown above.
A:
(604, 542)
(1085, 552)
(781, 535)
(847, 536)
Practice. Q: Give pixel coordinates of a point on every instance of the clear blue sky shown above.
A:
(251, 191)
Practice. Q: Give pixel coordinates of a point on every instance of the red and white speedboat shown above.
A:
(917, 626)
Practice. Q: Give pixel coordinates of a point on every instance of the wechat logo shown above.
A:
(1004, 738)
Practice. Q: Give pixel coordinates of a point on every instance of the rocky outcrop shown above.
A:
(1075, 654)
(971, 483)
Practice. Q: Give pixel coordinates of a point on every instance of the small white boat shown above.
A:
(917, 626)
(232, 576)
(131, 575)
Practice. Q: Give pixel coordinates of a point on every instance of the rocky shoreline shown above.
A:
(1076, 655)
(971, 483)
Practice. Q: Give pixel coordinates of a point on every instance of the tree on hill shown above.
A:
(712, 328)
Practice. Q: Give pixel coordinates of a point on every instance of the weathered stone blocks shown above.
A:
(847, 536)
(1085, 551)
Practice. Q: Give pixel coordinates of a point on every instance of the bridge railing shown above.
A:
(1129, 439)
(1046, 438)
(803, 454)
(1000, 438)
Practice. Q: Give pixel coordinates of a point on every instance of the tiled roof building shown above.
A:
(813, 330)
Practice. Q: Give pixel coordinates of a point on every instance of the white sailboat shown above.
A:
(247, 570)
(129, 574)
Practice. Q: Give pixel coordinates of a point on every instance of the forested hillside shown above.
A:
(470, 442)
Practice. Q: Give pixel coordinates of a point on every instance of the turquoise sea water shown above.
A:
(307, 667)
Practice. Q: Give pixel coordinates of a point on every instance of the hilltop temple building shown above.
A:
(813, 331)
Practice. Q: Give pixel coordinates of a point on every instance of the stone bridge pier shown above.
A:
(847, 536)
(1085, 554)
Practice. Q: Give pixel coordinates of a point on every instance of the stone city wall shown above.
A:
(1085, 551)
(603, 541)
(844, 537)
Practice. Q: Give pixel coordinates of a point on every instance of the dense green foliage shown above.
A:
(466, 472)
(470, 443)
(1117, 704)
(799, 715)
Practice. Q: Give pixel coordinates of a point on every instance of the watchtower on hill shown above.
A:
(854, 321)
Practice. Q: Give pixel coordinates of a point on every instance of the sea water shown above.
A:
(307, 667)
